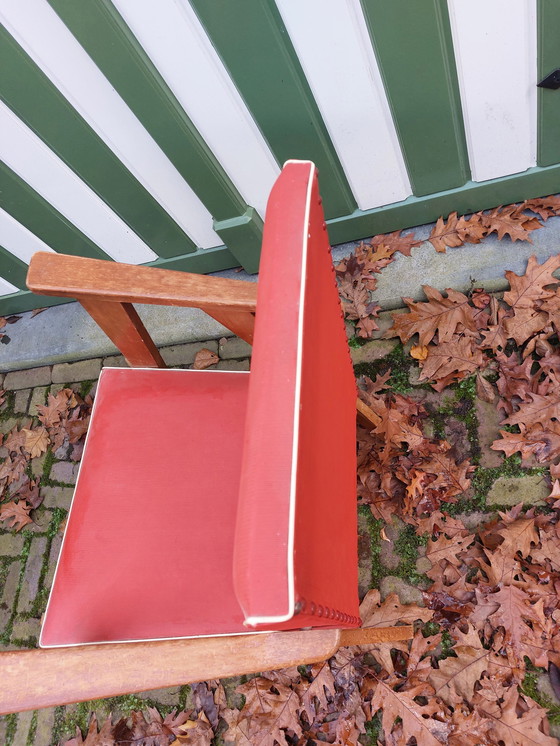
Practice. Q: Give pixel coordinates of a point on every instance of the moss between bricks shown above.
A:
(400, 365)
(530, 688)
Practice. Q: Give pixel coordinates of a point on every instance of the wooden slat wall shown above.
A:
(151, 132)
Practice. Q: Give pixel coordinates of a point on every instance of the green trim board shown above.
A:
(13, 269)
(107, 39)
(29, 93)
(202, 261)
(41, 218)
(548, 59)
(414, 50)
(255, 47)
(471, 197)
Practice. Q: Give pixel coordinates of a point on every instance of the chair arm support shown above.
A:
(97, 279)
(46, 678)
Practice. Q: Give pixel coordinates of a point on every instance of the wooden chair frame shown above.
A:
(44, 678)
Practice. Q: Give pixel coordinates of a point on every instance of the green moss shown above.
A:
(406, 547)
(374, 530)
(373, 732)
(32, 729)
(356, 342)
(530, 688)
(85, 388)
(9, 403)
(398, 362)
(47, 466)
(28, 536)
(11, 727)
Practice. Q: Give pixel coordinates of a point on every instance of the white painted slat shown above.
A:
(17, 239)
(41, 33)
(177, 44)
(496, 52)
(334, 48)
(35, 163)
(6, 288)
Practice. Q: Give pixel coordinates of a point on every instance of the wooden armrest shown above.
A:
(98, 279)
(46, 678)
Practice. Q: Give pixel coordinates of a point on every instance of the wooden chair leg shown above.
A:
(366, 416)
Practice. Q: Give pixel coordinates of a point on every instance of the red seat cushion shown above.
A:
(148, 547)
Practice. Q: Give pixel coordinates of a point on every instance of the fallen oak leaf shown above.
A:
(15, 514)
(455, 678)
(510, 221)
(204, 359)
(439, 314)
(546, 207)
(36, 441)
(396, 241)
(419, 352)
(447, 234)
(528, 288)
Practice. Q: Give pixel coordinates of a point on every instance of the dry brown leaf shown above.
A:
(15, 514)
(204, 359)
(509, 221)
(439, 314)
(419, 352)
(36, 441)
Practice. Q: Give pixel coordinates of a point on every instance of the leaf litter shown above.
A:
(491, 610)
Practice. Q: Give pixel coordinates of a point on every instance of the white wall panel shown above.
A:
(173, 37)
(496, 52)
(36, 164)
(333, 46)
(41, 33)
(17, 239)
(6, 288)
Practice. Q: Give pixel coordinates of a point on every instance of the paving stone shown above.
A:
(233, 347)
(57, 497)
(3, 452)
(25, 379)
(233, 365)
(473, 520)
(423, 564)
(21, 400)
(489, 418)
(37, 465)
(408, 594)
(456, 433)
(176, 355)
(6, 425)
(53, 558)
(37, 399)
(22, 730)
(3, 728)
(115, 361)
(163, 696)
(364, 556)
(350, 330)
(11, 585)
(64, 471)
(24, 629)
(45, 725)
(371, 351)
(30, 585)
(531, 490)
(388, 556)
(11, 545)
(84, 370)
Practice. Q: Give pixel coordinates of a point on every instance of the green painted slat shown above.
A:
(414, 49)
(12, 268)
(548, 24)
(201, 261)
(41, 218)
(254, 45)
(471, 197)
(30, 94)
(107, 39)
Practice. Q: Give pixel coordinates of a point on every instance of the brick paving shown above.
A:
(27, 559)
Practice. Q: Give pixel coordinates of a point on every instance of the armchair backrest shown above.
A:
(296, 534)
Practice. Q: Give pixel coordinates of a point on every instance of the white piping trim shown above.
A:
(95, 401)
(253, 620)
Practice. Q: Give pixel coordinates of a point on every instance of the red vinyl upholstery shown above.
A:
(208, 501)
